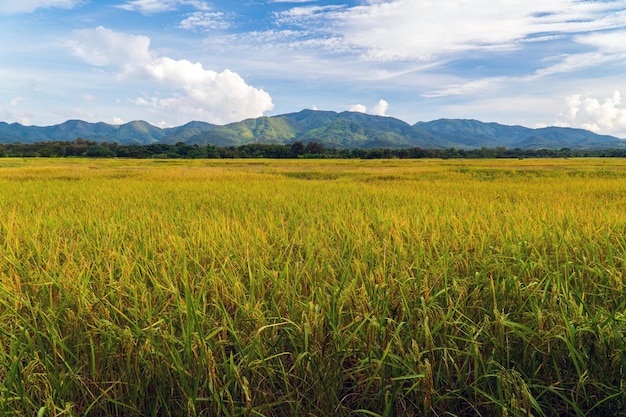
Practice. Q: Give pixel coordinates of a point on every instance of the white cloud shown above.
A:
(190, 90)
(606, 116)
(27, 6)
(159, 6)
(428, 30)
(610, 42)
(306, 42)
(9, 114)
(380, 109)
(118, 121)
(105, 48)
(359, 108)
(401, 42)
(24, 119)
(205, 21)
(306, 15)
(468, 87)
(217, 97)
(609, 49)
(16, 101)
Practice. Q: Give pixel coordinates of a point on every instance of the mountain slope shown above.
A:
(185, 132)
(475, 134)
(332, 129)
(137, 132)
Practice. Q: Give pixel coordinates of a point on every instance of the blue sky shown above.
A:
(532, 62)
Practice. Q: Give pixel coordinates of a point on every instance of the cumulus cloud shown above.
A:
(190, 90)
(380, 109)
(606, 116)
(217, 97)
(28, 6)
(159, 6)
(359, 108)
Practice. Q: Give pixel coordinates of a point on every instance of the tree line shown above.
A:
(82, 148)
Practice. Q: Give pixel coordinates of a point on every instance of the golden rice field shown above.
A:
(312, 288)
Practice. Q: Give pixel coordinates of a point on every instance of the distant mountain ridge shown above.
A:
(332, 129)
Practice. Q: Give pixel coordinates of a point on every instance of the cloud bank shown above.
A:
(190, 91)
(426, 30)
(606, 116)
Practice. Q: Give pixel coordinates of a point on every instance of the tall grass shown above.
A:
(383, 288)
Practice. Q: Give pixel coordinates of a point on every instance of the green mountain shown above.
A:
(133, 133)
(470, 134)
(183, 133)
(332, 129)
(276, 130)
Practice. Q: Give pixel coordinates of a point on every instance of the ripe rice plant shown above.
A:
(295, 288)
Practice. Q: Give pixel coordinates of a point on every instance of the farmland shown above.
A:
(294, 288)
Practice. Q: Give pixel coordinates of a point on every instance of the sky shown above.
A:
(534, 63)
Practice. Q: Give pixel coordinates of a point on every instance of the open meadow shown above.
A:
(312, 287)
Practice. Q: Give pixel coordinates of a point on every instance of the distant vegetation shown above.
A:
(89, 149)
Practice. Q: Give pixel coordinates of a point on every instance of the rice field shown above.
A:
(312, 288)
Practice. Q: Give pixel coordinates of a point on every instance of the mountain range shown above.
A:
(332, 129)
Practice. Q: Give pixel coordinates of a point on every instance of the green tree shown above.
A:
(297, 149)
(314, 148)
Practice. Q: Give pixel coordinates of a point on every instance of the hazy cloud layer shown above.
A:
(205, 21)
(160, 6)
(27, 6)
(13, 111)
(191, 92)
(428, 30)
